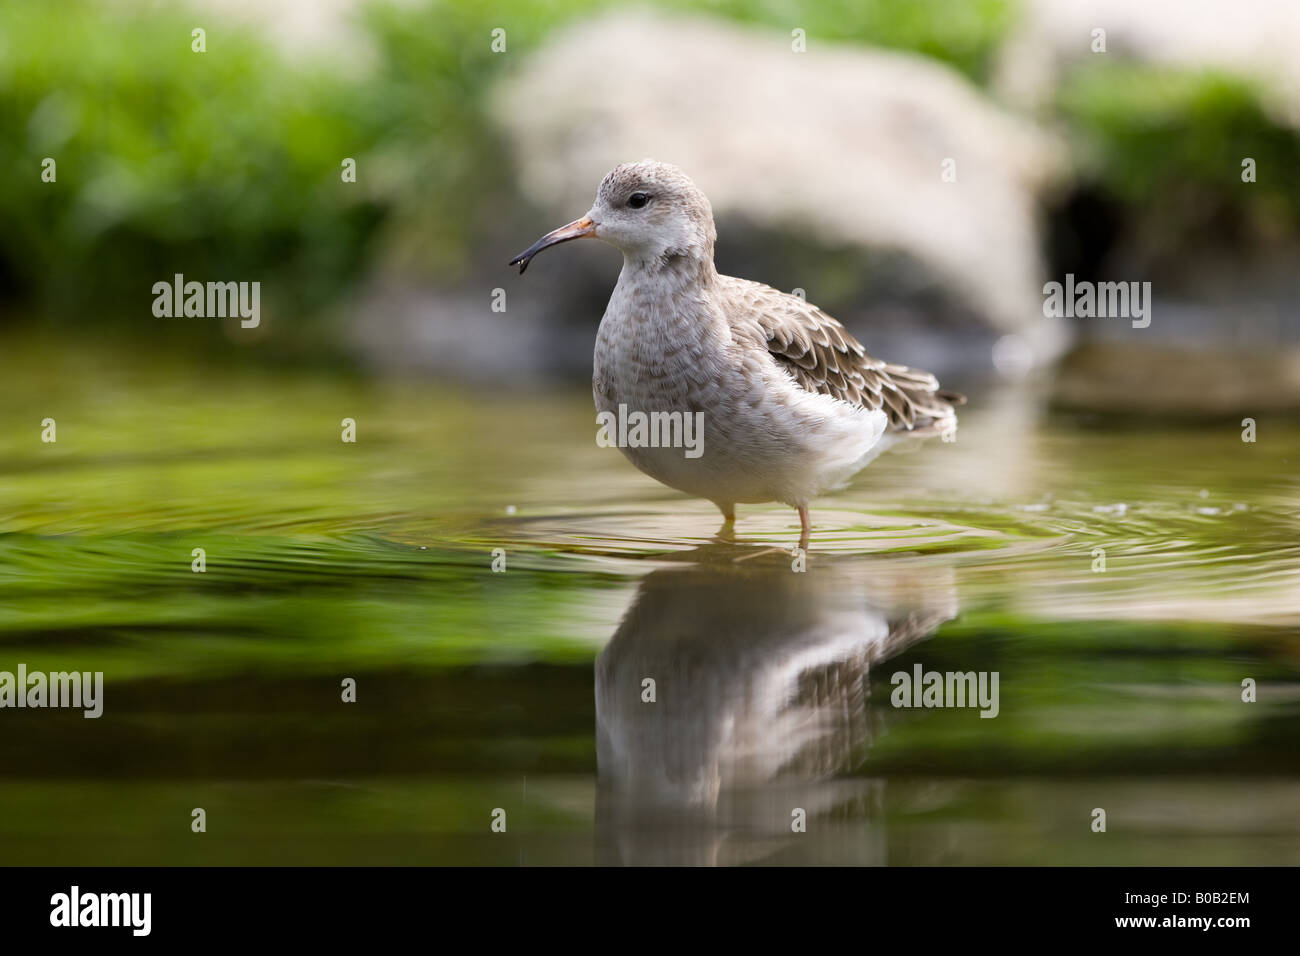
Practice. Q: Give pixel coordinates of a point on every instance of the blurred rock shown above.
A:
(837, 150)
(1221, 256)
(1254, 39)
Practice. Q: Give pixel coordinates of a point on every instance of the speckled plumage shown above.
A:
(793, 405)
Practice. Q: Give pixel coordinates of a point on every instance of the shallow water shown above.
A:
(1118, 688)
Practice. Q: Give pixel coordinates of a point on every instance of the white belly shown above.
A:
(760, 437)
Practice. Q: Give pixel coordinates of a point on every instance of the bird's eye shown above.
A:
(637, 200)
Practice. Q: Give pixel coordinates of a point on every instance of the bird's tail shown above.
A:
(932, 409)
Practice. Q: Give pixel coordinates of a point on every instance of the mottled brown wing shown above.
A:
(823, 357)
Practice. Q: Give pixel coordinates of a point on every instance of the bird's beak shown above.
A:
(578, 229)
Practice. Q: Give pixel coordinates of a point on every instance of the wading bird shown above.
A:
(793, 405)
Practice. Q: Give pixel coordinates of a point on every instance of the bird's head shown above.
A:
(650, 211)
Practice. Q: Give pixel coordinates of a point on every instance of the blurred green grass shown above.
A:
(1169, 144)
(227, 164)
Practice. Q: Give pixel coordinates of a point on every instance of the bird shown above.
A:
(788, 403)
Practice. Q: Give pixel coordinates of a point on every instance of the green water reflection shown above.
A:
(1119, 688)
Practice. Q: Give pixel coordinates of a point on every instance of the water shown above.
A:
(522, 691)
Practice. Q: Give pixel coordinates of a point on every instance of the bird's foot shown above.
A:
(727, 533)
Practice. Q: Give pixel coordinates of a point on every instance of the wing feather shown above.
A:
(823, 357)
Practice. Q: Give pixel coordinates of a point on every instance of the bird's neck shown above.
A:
(672, 275)
(657, 306)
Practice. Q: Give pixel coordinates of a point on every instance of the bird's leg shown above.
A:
(728, 530)
(805, 524)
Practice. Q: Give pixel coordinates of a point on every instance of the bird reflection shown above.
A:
(733, 696)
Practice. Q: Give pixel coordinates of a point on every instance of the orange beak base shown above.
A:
(578, 229)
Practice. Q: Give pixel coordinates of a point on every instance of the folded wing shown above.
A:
(822, 357)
